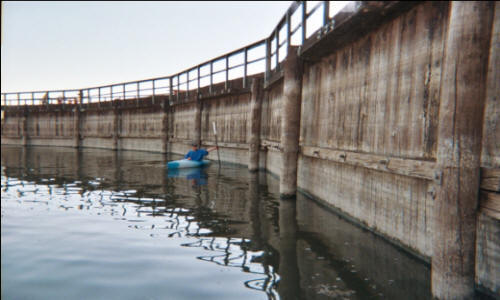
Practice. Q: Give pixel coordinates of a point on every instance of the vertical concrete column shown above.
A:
(24, 128)
(254, 128)
(197, 122)
(165, 105)
(290, 123)
(116, 125)
(459, 147)
(77, 122)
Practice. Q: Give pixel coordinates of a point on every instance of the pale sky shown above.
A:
(71, 45)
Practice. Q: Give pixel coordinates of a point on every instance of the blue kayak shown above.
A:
(185, 163)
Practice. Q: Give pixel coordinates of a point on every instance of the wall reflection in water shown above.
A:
(293, 249)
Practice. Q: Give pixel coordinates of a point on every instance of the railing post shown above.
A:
(153, 96)
(19, 99)
(288, 30)
(178, 87)
(277, 34)
(304, 21)
(187, 84)
(137, 95)
(245, 67)
(198, 89)
(227, 72)
(32, 98)
(124, 92)
(211, 75)
(88, 96)
(326, 12)
(170, 89)
(268, 58)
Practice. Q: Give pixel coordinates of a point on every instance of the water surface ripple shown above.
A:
(100, 224)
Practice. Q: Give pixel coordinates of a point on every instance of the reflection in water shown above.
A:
(197, 176)
(229, 218)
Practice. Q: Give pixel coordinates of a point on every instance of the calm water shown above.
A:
(98, 224)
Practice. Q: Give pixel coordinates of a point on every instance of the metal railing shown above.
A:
(300, 21)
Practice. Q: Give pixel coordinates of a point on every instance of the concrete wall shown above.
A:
(231, 116)
(370, 123)
(377, 96)
(488, 222)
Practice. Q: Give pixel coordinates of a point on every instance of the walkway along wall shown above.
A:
(397, 128)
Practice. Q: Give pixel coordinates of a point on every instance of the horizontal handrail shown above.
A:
(173, 84)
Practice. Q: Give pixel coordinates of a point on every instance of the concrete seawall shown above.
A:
(382, 134)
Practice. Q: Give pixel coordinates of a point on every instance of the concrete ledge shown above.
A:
(142, 144)
(227, 145)
(12, 140)
(96, 142)
(57, 142)
(402, 166)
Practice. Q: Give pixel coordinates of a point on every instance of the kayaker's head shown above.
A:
(194, 145)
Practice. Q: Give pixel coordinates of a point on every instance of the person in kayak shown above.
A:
(198, 154)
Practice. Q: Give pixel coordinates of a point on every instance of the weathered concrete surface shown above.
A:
(488, 254)
(487, 272)
(181, 131)
(141, 129)
(491, 131)
(253, 135)
(271, 113)
(379, 94)
(461, 115)
(231, 115)
(290, 123)
(397, 206)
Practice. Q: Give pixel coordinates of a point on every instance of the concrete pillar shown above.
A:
(459, 147)
(24, 128)
(165, 105)
(117, 115)
(197, 123)
(254, 128)
(290, 123)
(77, 122)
